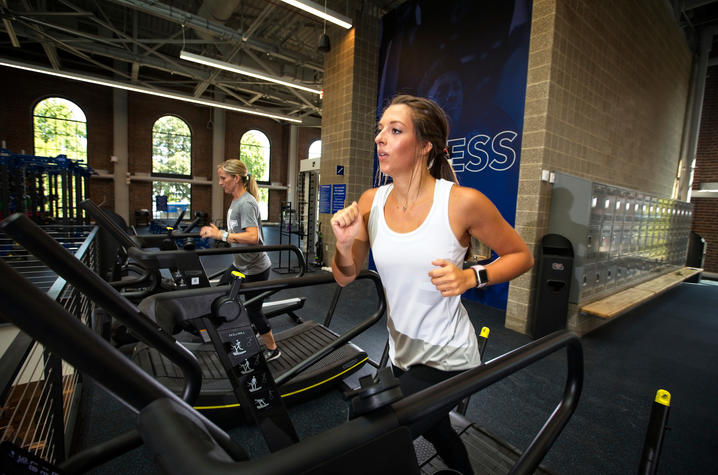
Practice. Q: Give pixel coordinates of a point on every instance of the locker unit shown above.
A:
(621, 237)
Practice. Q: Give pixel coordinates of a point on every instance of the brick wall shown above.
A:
(102, 191)
(278, 134)
(16, 129)
(705, 217)
(705, 224)
(144, 110)
(305, 137)
(201, 198)
(20, 91)
(604, 101)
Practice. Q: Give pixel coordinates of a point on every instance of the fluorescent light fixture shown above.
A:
(195, 58)
(321, 12)
(143, 90)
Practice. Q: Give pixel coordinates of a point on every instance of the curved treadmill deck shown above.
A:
(296, 343)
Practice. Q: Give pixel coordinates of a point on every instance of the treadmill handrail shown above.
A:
(159, 259)
(152, 258)
(276, 285)
(346, 336)
(105, 222)
(156, 260)
(125, 239)
(35, 313)
(146, 256)
(33, 238)
(132, 281)
(154, 240)
(180, 451)
(419, 405)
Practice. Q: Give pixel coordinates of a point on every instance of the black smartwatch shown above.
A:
(482, 277)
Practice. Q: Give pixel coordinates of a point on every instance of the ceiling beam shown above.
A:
(258, 22)
(158, 62)
(202, 24)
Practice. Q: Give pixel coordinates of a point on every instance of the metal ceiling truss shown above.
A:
(119, 47)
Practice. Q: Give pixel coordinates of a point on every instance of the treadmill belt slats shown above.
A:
(296, 343)
(488, 453)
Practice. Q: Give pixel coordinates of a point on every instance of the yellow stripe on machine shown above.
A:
(227, 406)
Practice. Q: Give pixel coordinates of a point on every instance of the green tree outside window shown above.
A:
(171, 155)
(171, 146)
(60, 127)
(177, 194)
(254, 152)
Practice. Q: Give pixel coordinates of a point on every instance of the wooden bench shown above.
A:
(625, 300)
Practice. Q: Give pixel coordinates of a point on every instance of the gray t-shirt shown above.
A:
(243, 213)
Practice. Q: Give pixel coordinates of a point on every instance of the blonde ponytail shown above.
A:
(250, 184)
(235, 167)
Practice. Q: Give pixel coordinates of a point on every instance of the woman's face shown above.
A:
(396, 141)
(227, 181)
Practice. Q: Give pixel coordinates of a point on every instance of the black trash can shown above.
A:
(696, 255)
(555, 272)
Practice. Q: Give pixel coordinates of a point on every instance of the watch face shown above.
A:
(482, 277)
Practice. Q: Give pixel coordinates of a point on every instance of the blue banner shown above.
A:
(325, 196)
(339, 193)
(471, 57)
(161, 203)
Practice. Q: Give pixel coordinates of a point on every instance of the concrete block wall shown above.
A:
(602, 102)
(349, 111)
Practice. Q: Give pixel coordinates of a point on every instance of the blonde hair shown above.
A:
(235, 167)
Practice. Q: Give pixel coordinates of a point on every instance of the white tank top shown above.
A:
(424, 327)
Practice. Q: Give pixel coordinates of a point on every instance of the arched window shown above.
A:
(171, 147)
(254, 152)
(60, 128)
(171, 158)
(315, 149)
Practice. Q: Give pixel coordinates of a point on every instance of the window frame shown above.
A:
(268, 181)
(155, 174)
(158, 176)
(309, 149)
(85, 160)
(153, 199)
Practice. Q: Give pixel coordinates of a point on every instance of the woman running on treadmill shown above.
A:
(244, 228)
(419, 228)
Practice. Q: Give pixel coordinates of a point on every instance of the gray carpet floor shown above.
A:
(668, 343)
